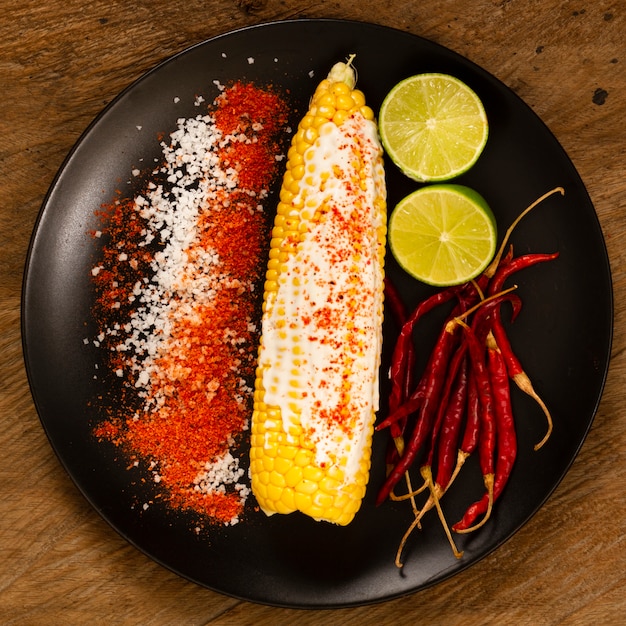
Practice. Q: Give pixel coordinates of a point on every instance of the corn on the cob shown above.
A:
(316, 391)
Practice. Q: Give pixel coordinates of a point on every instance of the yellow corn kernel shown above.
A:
(293, 156)
(303, 502)
(321, 119)
(344, 102)
(306, 121)
(293, 476)
(367, 112)
(341, 116)
(326, 111)
(276, 241)
(324, 98)
(310, 135)
(300, 459)
(341, 89)
(301, 146)
(307, 487)
(358, 97)
(286, 196)
(297, 171)
(281, 466)
(270, 285)
(287, 502)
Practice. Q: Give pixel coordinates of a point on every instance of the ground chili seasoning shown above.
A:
(178, 292)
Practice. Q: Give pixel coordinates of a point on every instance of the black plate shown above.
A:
(563, 334)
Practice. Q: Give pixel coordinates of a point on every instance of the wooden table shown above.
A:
(61, 62)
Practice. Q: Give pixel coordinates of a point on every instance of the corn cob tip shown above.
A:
(343, 73)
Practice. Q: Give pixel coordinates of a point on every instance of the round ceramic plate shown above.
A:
(563, 334)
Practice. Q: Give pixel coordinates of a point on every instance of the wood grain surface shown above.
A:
(61, 62)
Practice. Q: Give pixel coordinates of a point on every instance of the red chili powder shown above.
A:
(189, 384)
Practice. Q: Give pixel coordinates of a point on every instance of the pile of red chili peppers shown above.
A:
(461, 404)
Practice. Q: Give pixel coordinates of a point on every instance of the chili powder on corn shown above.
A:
(178, 301)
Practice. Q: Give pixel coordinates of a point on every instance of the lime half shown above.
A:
(443, 234)
(433, 127)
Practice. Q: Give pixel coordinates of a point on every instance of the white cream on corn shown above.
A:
(327, 312)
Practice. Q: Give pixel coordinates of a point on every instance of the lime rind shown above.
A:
(433, 126)
(443, 234)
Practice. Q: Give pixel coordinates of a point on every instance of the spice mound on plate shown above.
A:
(177, 302)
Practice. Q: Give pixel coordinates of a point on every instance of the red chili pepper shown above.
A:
(450, 431)
(456, 363)
(394, 300)
(397, 428)
(472, 424)
(435, 375)
(404, 344)
(471, 434)
(480, 327)
(451, 426)
(504, 271)
(469, 402)
(401, 387)
(403, 355)
(487, 441)
(506, 441)
(481, 324)
(513, 365)
(416, 398)
(517, 374)
(452, 418)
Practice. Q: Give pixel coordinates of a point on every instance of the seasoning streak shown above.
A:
(176, 301)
